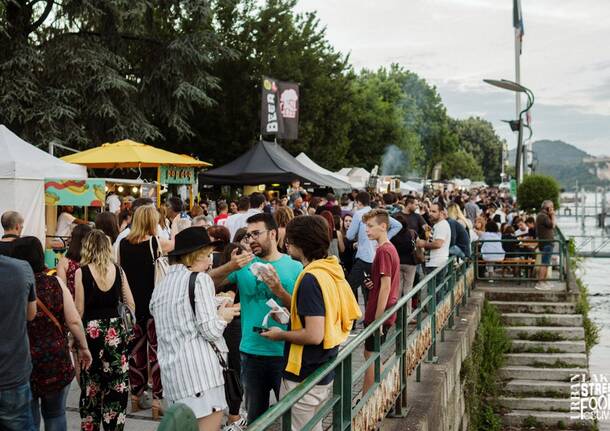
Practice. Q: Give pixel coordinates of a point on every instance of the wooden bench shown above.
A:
(514, 263)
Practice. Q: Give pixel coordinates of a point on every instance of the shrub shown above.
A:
(479, 372)
(535, 189)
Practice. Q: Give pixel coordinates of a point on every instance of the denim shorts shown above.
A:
(546, 253)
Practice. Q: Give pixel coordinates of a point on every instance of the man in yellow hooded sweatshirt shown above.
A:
(322, 312)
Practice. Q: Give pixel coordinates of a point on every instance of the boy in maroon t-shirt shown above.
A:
(384, 284)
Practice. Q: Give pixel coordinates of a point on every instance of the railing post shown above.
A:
(346, 394)
(432, 314)
(400, 406)
(338, 385)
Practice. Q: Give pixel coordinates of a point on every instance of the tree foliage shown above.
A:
(83, 72)
(186, 75)
(461, 164)
(478, 138)
(534, 189)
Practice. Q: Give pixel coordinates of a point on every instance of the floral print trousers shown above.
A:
(105, 385)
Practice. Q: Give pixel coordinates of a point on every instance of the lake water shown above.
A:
(595, 272)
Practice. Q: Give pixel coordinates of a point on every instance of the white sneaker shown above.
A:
(542, 286)
(238, 425)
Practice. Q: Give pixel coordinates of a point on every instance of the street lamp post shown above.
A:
(516, 125)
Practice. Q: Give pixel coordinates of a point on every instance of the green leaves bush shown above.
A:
(479, 372)
(535, 189)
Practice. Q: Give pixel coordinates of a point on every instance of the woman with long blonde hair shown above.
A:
(455, 212)
(138, 253)
(100, 285)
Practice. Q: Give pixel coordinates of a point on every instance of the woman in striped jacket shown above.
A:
(190, 370)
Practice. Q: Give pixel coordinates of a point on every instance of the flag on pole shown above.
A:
(518, 23)
(280, 109)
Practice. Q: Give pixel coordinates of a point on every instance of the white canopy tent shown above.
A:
(23, 169)
(305, 160)
(357, 177)
(411, 186)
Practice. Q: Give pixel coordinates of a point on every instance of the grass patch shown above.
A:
(582, 307)
(540, 336)
(479, 373)
(538, 394)
(556, 364)
(535, 349)
(531, 422)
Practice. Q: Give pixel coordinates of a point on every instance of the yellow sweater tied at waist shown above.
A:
(341, 308)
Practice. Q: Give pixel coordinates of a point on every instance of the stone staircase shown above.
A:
(548, 348)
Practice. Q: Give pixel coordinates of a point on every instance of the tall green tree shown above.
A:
(478, 137)
(271, 39)
(83, 72)
(377, 120)
(461, 164)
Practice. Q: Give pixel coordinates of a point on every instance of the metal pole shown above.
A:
(51, 148)
(520, 166)
(576, 202)
(519, 161)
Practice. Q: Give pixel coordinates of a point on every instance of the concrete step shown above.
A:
(553, 420)
(535, 388)
(534, 403)
(530, 295)
(545, 333)
(535, 307)
(526, 346)
(550, 359)
(531, 319)
(523, 372)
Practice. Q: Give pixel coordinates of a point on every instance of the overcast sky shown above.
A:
(454, 44)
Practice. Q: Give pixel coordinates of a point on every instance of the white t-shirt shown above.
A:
(64, 224)
(114, 203)
(438, 257)
(237, 221)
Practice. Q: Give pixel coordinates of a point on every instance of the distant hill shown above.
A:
(562, 161)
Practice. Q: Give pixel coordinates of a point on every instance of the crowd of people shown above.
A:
(233, 306)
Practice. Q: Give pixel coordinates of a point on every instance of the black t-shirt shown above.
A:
(404, 241)
(310, 302)
(415, 222)
(6, 247)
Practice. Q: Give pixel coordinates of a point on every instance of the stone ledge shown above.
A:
(437, 402)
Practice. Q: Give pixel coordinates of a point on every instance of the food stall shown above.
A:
(172, 168)
(63, 192)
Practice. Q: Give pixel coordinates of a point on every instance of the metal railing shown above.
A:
(414, 338)
(515, 259)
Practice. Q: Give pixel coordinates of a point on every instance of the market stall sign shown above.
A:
(81, 193)
(177, 175)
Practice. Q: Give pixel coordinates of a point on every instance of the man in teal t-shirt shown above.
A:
(262, 360)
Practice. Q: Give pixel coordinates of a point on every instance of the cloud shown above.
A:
(454, 44)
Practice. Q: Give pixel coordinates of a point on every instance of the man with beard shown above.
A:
(440, 241)
(262, 360)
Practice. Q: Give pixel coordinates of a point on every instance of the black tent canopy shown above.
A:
(268, 162)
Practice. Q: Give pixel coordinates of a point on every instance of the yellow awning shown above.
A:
(130, 154)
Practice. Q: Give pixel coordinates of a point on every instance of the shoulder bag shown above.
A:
(160, 262)
(48, 313)
(126, 314)
(233, 388)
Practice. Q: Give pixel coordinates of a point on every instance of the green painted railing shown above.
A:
(522, 260)
(440, 296)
